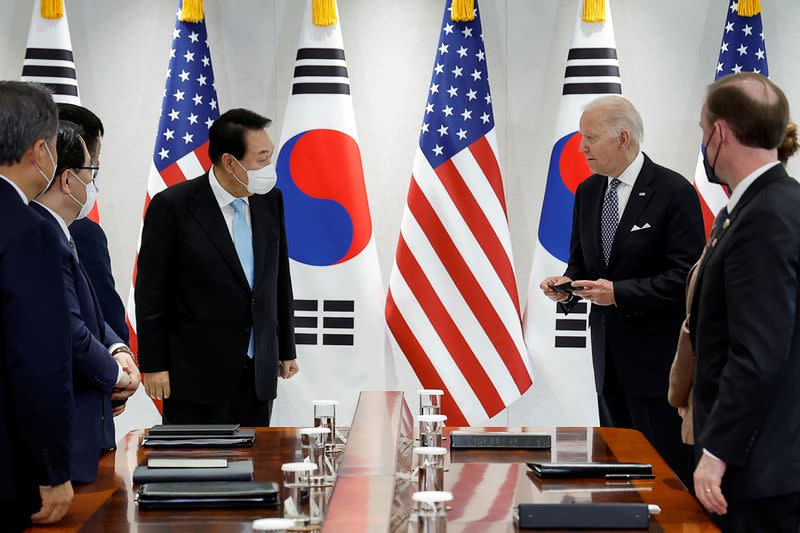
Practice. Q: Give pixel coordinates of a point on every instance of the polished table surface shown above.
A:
(486, 485)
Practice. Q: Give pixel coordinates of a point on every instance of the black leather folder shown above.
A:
(583, 516)
(208, 495)
(593, 470)
(243, 438)
(235, 471)
(210, 430)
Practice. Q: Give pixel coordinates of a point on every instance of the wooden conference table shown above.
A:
(369, 494)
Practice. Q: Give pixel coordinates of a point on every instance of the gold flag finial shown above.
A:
(52, 9)
(594, 10)
(749, 8)
(462, 10)
(323, 12)
(192, 11)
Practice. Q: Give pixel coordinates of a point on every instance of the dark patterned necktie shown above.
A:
(73, 249)
(610, 218)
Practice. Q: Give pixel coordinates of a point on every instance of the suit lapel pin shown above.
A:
(726, 223)
(642, 194)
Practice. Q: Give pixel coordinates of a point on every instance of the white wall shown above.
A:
(668, 51)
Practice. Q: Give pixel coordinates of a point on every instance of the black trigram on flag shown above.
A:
(326, 322)
(592, 71)
(320, 71)
(571, 332)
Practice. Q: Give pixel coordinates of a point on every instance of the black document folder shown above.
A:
(593, 470)
(243, 438)
(209, 430)
(583, 516)
(235, 471)
(208, 495)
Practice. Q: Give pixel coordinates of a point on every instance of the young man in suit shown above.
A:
(745, 321)
(637, 229)
(214, 305)
(35, 362)
(101, 362)
(90, 239)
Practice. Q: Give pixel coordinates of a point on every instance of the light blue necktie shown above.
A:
(243, 241)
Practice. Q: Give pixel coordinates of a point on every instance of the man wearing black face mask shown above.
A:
(745, 322)
(214, 305)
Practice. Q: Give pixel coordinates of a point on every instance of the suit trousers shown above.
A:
(779, 514)
(15, 515)
(244, 408)
(654, 417)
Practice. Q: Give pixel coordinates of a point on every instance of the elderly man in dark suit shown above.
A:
(214, 305)
(637, 229)
(35, 362)
(745, 321)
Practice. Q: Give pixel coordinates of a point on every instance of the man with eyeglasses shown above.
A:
(89, 237)
(102, 365)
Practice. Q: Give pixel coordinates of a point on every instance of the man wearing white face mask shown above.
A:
(35, 363)
(102, 365)
(214, 307)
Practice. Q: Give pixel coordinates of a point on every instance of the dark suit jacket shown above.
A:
(94, 369)
(35, 363)
(92, 244)
(194, 306)
(745, 328)
(648, 268)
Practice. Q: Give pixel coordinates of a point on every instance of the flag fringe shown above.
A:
(462, 10)
(323, 12)
(52, 9)
(192, 11)
(594, 10)
(749, 8)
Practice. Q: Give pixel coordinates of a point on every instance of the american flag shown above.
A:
(452, 307)
(743, 49)
(188, 109)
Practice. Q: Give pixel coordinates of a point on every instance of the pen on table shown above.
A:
(629, 476)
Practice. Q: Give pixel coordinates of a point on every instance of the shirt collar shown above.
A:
(16, 187)
(740, 189)
(629, 175)
(59, 220)
(224, 198)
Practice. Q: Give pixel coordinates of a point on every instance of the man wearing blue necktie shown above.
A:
(214, 306)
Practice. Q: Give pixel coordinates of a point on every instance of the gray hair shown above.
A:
(621, 116)
(27, 114)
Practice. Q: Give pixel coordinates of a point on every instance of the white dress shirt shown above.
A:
(65, 229)
(16, 187)
(738, 192)
(225, 199)
(627, 179)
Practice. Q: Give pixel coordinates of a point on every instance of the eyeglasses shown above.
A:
(94, 169)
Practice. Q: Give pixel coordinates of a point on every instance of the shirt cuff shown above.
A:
(115, 346)
(708, 453)
(120, 373)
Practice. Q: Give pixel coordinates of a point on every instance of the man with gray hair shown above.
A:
(35, 357)
(637, 228)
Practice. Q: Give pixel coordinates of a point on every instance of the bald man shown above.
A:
(745, 322)
(637, 229)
